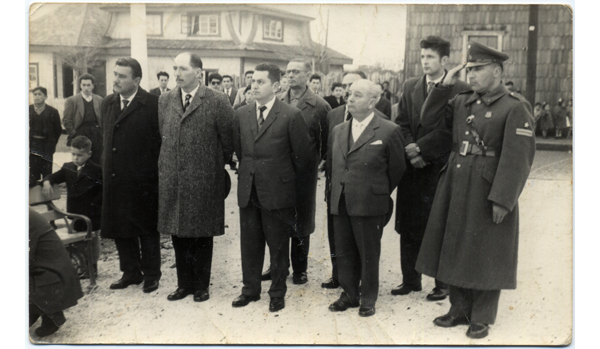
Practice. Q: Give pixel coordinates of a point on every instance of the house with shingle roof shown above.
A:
(230, 39)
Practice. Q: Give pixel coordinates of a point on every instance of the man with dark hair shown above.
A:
(247, 81)
(130, 172)
(314, 111)
(82, 116)
(44, 132)
(214, 81)
(336, 99)
(196, 126)
(472, 236)
(272, 143)
(386, 92)
(229, 89)
(383, 104)
(510, 86)
(315, 84)
(163, 80)
(426, 154)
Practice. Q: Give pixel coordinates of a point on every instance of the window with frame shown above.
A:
(200, 24)
(154, 24)
(272, 29)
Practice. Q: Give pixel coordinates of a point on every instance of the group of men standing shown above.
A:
(458, 155)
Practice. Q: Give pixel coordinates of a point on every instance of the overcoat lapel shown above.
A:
(176, 102)
(251, 119)
(140, 98)
(196, 101)
(81, 107)
(342, 141)
(418, 97)
(367, 134)
(270, 118)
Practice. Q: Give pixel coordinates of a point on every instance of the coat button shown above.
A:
(478, 102)
(346, 169)
(458, 166)
(114, 150)
(117, 126)
(114, 175)
(467, 133)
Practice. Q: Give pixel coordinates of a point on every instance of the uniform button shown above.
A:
(478, 102)
(458, 166)
(114, 175)
(346, 169)
(467, 133)
(114, 150)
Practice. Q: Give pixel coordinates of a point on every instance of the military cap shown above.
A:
(479, 54)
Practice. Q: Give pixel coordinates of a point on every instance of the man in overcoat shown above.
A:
(367, 164)
(130, 172)
(471, 240)
(81, 116)
(314, 111)
(426, 154)
(271, 140)
(196, 128)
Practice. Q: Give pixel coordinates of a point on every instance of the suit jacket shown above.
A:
(232, 95)
(156, 91)
(369, 171)
(74, 109)
(130, 166)
(333, 101)
(417, 187)
(385, 106)
(239, 97)
(84, 191)
(196, 144)
(273, 158)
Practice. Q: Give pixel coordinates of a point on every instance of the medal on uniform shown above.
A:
(470, 119)
(488, 115)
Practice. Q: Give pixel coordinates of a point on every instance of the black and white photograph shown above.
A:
(300, 174)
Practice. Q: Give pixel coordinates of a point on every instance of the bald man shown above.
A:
(360, 194)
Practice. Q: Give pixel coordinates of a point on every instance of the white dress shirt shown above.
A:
(192, 93)
(359, 127)
(130, 98)
(269, 106)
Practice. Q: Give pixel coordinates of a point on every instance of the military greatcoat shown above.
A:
(462, 245)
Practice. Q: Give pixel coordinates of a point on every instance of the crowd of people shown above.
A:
(150, 163)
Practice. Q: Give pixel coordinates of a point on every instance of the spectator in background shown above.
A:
(82, 116)
(248, 98)
(510, 86)
(53, 283)
(315, 84)
(560, 118)
(44, 132)
(240, 94)
(386, 92)
(537, 114)
(214, 82)
(285, 85)
(384, 105)
(229, 89)
(546, 122)
(336, 99)
(163, 80)
(570, 117)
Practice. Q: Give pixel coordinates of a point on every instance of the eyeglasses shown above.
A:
(293, 71)
(346, 85)
(214, 83)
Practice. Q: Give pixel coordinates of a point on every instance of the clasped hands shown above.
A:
(413, 153)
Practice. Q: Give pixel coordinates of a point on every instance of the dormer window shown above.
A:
(272, 29)
(201, 24)
(154, 24)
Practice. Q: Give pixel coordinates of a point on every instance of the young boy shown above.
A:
(84, 192)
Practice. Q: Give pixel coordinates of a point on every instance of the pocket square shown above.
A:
(377, 142)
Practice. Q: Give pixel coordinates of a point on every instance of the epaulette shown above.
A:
(517, 96)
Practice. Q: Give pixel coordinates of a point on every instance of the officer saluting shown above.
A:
(471, 239)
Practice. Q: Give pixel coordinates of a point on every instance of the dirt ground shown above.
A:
(538, 312)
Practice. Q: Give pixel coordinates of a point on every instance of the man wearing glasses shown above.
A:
(214, 82)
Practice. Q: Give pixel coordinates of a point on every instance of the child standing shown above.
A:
(84, 192)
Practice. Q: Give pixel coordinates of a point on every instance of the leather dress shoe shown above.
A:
(365, 311)
(300, 278)
(201, 296)
(180, 293)
(48, 327)
(150, 286)
(266, 276)
(438, 294)
(243, 300)
(478, 330)
(450, 320)
(276, 304)
(124, 282)
(331, 283)
(343, 303)
(405, 289)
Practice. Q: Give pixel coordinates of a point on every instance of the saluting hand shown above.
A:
(452, 75)
(498, 213)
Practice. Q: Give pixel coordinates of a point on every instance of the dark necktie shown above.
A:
(125, 103)
(430, 86)
(187, 101)
(261, 118)
(348, 116)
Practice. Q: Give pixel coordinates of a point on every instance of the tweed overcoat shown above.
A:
(417, 187)
(314, 111)
(196, 144)
(53, 282)
(462, 246)
(130, 166)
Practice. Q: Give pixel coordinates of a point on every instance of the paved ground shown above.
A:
(538, 312)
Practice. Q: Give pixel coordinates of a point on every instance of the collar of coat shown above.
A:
(490, 97)
(175, 100)
(309, 98)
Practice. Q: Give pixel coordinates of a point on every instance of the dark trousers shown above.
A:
(299, 254)
(477, 305)
(358, 246)
(257, 226)
(140, 255)
(194, 259)
(331, 238)
(409, 251)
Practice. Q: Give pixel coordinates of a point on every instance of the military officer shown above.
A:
(471, 239)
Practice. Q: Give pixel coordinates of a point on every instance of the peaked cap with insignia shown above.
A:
(479, 54)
